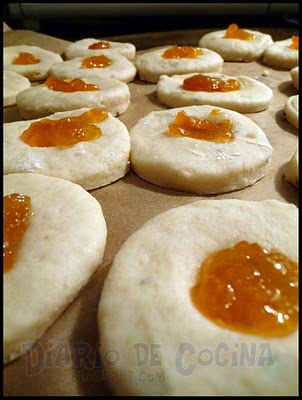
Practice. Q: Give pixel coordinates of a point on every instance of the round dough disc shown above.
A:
(34, 72)
(199, 166)
(291, 110)
(40, 101)
(90, 164)
(151, 65)
(253, 96)
(236, 49)
(13, 84)
(120, 68)
(294, 73)
(60, 250)
(80, 48)
(154, 340)
(292, 170)
(279, 54)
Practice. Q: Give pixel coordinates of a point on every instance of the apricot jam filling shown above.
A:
(64, 132)
(202, 129)
(25, 59)
(248, 289)
(206, 83)
(16, 218)
(182, 52)
(295, 43)
(99, 45)
(69, 85)
(96, 62)
(233, 32)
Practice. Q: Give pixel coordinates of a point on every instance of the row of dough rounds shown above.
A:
(190, 164)
(229, 44)
(252, 96)
(114, 96)
(160, 262)
(124, 64)
(111, 94)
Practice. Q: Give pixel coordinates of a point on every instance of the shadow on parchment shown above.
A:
(88, 372)
(284, 124)
(287, 190)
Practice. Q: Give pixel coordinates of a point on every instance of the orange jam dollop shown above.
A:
(16, 218)
(182, 52)
(248, 289)
(26, 59)
(295, 43)
(64, 132)
(206, 83)
(202, 129)
(96, 62)
(99, 45)
(69, 85)
(233, 32)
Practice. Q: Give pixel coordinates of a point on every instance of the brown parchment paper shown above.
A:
(66, 360)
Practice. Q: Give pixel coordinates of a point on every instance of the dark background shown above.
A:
(74, 27)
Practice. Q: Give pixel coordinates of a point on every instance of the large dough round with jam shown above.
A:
(253, 96)
(236, 49)
(120, 68)
(40, 101)
(60, 250)
(199, 166)
(80, 48)
(151, 65)
(91, 164)
(34, 72)
(156, 342)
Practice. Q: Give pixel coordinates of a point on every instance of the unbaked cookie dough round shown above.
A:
(280, 54)
(120, 68)
(294, 73)
(60, 250)
(34, 72)
(291, 173)
(236, 49)
(253, 96)
(39, 101)
(80, 48)
(291, 110)
(151, 65)
(199, 166)
(13, 83)
(156, 342)
(90, 164)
